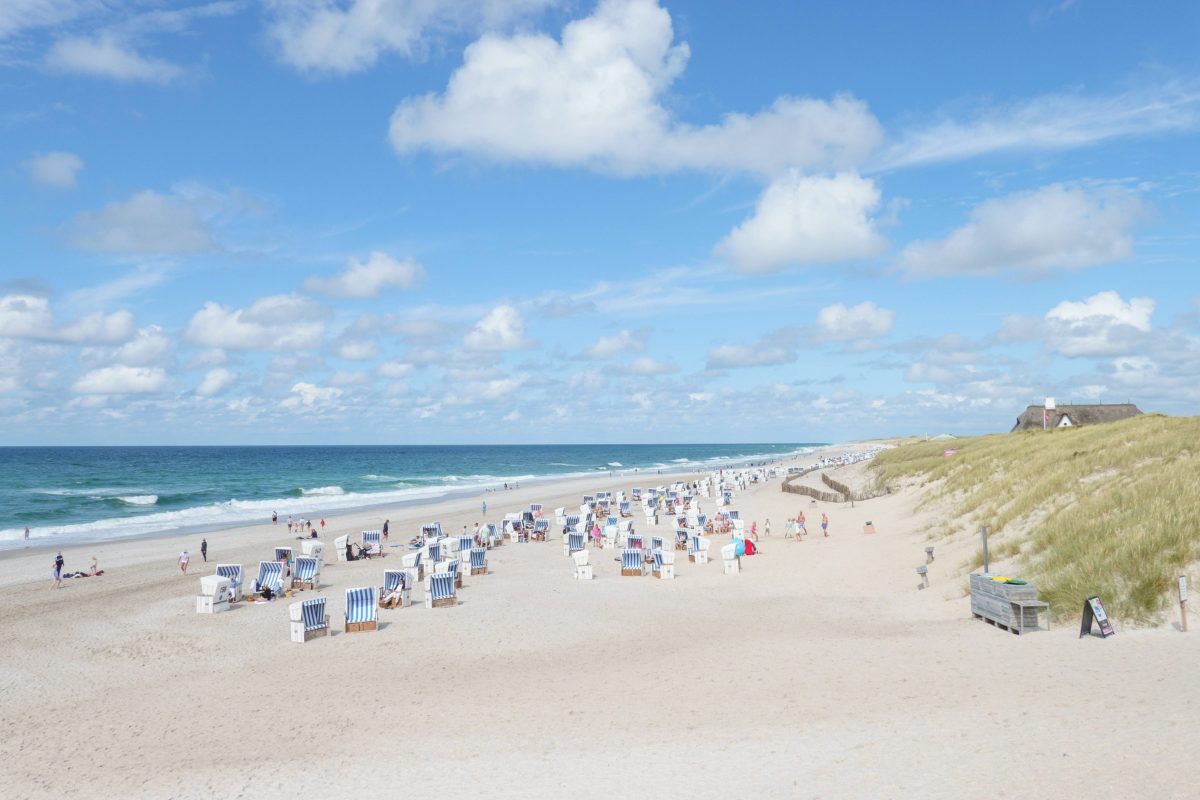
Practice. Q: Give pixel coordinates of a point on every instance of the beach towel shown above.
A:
(750, 548)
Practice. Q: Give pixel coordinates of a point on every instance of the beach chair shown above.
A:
(413, 563)
(583, 570)
(372, 542)
(664, 564)
(733, 564)
(234, 573)
(314, 548)
(636, 495)
(284, 555)
(681, 539)
(632, 562)
(434, 552)
(214, 595)
(451, 567)
(465, 545)
(611, 534)
(308, 619)
(479, 561)
(339, 545)
(307, 573)
(573, 543)
(362, 610)
(440, 591)
(625, 508)
(396, 589)
(540, 529)
(571, 522)
(698, 550)
(494, 539)
(535, 509)
(560, 516)
(633, 541)
(589, 500)
(270, 575)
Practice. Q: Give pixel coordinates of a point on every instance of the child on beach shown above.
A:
(754, 530)
(767, 526)
(787, 529)
(184, 558)
(58, 568)
(824, 524)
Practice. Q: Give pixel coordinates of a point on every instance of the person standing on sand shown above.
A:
(801, 529)
(754, 530)
(483, 507)
(274, 517)
(824, 524)
(27, 534)
(385, 529)
(322, 524)
(204, 550)
(58, 568)
(184, 558)
(767, 526)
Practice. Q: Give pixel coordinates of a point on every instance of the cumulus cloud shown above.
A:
(736, 356)
(1102, 325)
(501, 330)
(25, 316)
(108, 56)
(279, 322)
(595, 98)
(863, 321)
(309, 395)
(121, 379)
(1034, 233)
(807, 219)
(364, 280)
(394, 369)
(649, 366)
(149, 347)
(357, 350)
(145, 224)
(608, 346)
(54, 170)
(216, 381)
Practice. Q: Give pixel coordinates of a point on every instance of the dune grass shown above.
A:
(1105, 509)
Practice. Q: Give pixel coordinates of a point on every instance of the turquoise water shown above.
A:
(69, 494)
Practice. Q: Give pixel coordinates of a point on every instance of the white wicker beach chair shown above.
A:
(214, 595)
(396, 589)
(440, 591)
(479, 561)
(362, 609)
(307, 573)
(339, 546)
(632, 563)
(414, 563)
(270, 575)
(372, 542)
(234, 573)
(664, 564)
(733, 564)
(308, 619)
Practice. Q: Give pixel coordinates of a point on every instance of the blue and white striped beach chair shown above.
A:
(637, 495)
(435, 552)
(362, 612)
(540, 528)
(308, 619)
(307, 573)
(440, 591)
(664, 564)
(698, 550)
(479, 561)
(234, 573)
(270, 576)
(535, 508)
(414, 563)
(572, 522)
(631, 561)
(574, 542)
(450, 566)
(625, 508)
(589, 500)
(633, 541)
(465, 544)
(372, 542)
(284, 554)
(395, 590)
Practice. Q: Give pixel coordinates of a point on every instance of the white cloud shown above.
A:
(150, 347)
(394, 369)
(30, 317)
(501, 387)
(807, 219)
(595, 99)
(216, 381)
(735, 356)
(863, 321)
(360, 281)
(1032, 233)
(501, 330)
(357, 350)
(120, 379)
(608, 346)
(54, 170)
(108, 56)
(17, 16)
(344, 37)
(1102, 325)
(146, 223)
(512, 416)
(308, 395)
(649, 365)
(1052, 122)
(279, 322)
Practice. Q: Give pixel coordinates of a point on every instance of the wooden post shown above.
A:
(924, 573)
(983, 531)
(929, 554)
(1183, 597)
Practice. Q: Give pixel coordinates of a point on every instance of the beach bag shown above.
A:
(739, 548)
(750, 549)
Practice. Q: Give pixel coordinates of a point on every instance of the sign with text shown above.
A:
(1093, 610)
(1183, 588)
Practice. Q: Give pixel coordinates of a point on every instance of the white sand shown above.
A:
(820, 671)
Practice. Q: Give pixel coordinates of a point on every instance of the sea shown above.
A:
(70, 495)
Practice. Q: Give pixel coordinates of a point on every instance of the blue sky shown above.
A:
(535, 221)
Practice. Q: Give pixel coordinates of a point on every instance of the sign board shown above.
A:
(1183, 588)
(1049, 403)
(1093, 609)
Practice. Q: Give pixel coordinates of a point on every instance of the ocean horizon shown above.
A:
(76, 494)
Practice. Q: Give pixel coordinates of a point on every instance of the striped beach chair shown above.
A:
(611, 520)
(631, 561)
(589, 500)
(435, 552)
(656, 543)
(451, 567)
(571, 522)
(270, 576)
(479, 561)
(664, 564)
(698, 550)
(633, 541)
(466, 544)
(362, 611)
(307, 573)
(284, 554)
(308, 619)
(636, 495)
(414, 563)
(541, 528)
(395, 590)
(625, 508)
(536, 509)
(234, 573)
(440, 591)
(574, 543)
(373, 542)
(432, 530)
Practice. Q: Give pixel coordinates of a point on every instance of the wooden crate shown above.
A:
(632, 572)
(359, 627)
(445, 602)
(1011, 607)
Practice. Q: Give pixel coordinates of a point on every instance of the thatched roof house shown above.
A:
(1072, 416)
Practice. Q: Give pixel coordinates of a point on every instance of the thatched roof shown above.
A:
(1093, 414)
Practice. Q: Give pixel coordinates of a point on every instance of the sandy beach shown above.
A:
(820, 671)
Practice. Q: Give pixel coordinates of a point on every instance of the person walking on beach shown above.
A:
(754, 530)
(322, 524)
(483, 507)
(204, 550)
(385, 529)
(184, 558)
(58, 568)
(274, 517)
(767, 526)
(801, 528)
(824, 524)
(787, 529)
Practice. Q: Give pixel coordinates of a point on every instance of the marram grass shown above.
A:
(1106, 509)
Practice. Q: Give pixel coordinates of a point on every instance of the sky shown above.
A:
(540, 221)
